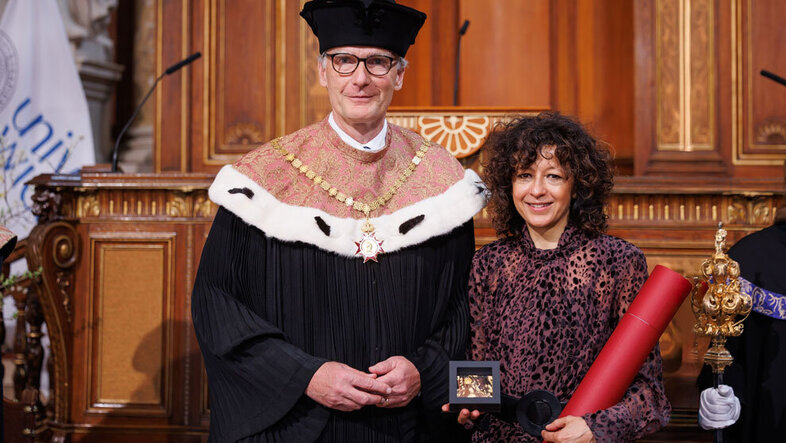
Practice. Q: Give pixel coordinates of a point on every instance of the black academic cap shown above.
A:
(377, 23)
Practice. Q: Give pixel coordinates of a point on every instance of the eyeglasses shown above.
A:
(377, 65)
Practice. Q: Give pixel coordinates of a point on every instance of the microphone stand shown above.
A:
(170, 70)
(462, 31)
(131, 120)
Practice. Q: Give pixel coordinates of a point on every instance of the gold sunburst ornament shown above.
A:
(369, 246)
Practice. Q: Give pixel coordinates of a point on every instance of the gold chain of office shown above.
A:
(365, 208)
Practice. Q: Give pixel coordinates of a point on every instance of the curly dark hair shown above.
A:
(515, 146)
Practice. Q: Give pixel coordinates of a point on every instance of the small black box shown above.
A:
(474, 385)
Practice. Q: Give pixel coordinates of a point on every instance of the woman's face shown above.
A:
(542, 193)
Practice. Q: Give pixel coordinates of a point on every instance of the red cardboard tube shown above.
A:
(632, 340)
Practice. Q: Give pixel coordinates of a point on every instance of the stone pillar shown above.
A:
(99, 80)
(136, 150)
(86, 23)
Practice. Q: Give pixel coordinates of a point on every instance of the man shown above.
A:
(7, 243)
(331, 292)
(757, 374)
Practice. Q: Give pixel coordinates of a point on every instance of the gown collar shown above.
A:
(375, 144)
(571, 238)
(356, 154)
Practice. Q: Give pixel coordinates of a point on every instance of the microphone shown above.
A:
(182, 63)
(461, 32)
(170, 70)
(464, 27)
(773, 77)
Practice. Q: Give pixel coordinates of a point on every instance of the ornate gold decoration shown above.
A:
(762, 211)
(64, 255)
(716, 310)
(88, 206)
(244, 134)
(461, 135)
(461, 132)
(368, 246)
(177, 206)
(203, 207)
(737, 210)
(63, 279)
(772, 132)
(177, 203)
(750, 210)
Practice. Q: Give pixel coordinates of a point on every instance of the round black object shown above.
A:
(537, 409)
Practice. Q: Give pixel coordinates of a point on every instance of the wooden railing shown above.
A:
(25, 417)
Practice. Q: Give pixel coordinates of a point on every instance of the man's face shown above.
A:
(360, 98)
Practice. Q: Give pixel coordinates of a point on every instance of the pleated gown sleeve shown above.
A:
(449, 339)
(257, 377)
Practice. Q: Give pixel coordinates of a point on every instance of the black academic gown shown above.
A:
(268, 313)
(758, 373)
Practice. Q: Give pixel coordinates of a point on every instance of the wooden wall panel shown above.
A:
(700, 77)
(131, 307)
(239, 91)
(759, 117)
(671, 85)
(669, 72)
(505, 60)
(592, 70)
(172, 98)
(676, 80)
(257, 79)
(684, 75)
(429, 79)
(242, 82)
(715, 114)
(314, 104)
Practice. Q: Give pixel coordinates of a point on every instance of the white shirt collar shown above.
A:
(374, 145)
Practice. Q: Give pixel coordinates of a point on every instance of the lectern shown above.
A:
(119, 254)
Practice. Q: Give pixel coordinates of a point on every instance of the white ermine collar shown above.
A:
(407, 226)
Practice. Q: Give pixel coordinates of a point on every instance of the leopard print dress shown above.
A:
(546, 314)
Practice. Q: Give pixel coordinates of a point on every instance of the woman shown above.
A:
(546, 296)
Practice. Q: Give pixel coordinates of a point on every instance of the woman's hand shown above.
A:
(568, 429)
(465, 415)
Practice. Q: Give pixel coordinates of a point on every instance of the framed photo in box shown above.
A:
(474, 385)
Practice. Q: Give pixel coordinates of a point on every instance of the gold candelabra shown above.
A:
(718, 305)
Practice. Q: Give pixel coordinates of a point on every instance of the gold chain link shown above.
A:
(332, 191)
